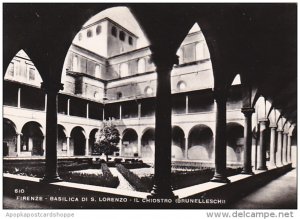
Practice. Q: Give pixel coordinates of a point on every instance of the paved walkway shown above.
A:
(280, 193)
(124, 184)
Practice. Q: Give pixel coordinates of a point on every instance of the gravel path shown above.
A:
(124, 184)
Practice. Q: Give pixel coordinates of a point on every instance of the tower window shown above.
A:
(11, 69)
(130, 40)
(98, 29)
(119, 95)
(89, 33)
(148, 90)
(181, 85)
(141, 65)
(114, 31)
(122, 35)
(31, 74)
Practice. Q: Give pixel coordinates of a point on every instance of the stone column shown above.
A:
(51, 174)
(87, 111)
(139, 146)
(289, 149)
(279, 148)
(19, 144)
(273, 146)
(86, 147)
(284, 148)
(68, 145)
(68, 107)
(19, 98)
(248, 140)
(186, 104)
(186, 149)
(45, 102)
(163, 128)
(262, 145)
(120, 147)
(44, 146)
(120, 111)
(220, 96)
(139, 110)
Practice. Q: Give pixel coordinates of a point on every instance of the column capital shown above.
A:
(163, 59)
(247, 111)
(272, 126)
(19, 133)
(263, 120)
(279, 130)
(53, 88)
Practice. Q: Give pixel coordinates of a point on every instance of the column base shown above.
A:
(262, 168)
(164, 192)
(247, 172)
(48, 179)
(220, 179)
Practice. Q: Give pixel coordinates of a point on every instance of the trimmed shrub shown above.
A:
(132, 178)
(90, 179)
(110, 179)
(32, 170)
(72, 167)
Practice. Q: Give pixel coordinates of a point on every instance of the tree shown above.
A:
(107, 139)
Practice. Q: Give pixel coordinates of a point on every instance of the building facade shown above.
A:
(117, 81)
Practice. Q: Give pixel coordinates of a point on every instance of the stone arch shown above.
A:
(178, 143)
(200, 143)
(61, 140)
(92, 140)
(77, 141)
(148, 143)
(32, 139)
(9, 138)
(129, 143)
(235, 142)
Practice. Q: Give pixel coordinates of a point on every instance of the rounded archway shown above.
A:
(129, 143)
(235, 142)
(61, 141)
(9, 138)
(178, 143)
(148, 142)
(200, 143)
(32, 139)
(77, 141)
(92, 140)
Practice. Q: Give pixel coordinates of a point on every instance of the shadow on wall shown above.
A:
(235, 142)
(200, 143)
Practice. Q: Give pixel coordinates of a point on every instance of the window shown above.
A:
(98, 29)
(122, 35)
(119, 95)
(114, 31)
(97, 71)
(181, 85)
(148, 90)
(75, 63)
(10, 69)
(89, 33)
(180, 56)
(31, 74)
(124, 70)
(200, 51)
(130, 40)
(96, 95)
(80, 36)
(141, 65)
